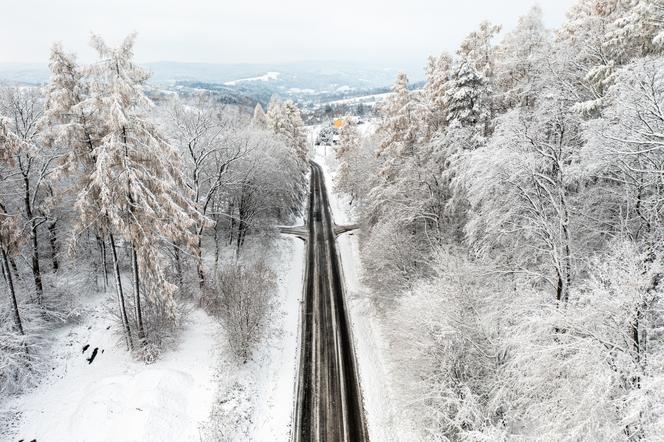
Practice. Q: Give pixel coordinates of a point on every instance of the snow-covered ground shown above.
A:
(370, 346)
(115, 398)
(364, 99)
(270, 76)
(254, 401)
(276, 378)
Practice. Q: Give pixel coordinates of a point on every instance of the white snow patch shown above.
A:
(274, 410)
(297, 90)
(344, 88)
(116, 398)
(364, 99)
(270, 76)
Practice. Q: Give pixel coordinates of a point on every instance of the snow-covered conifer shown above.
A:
(136, 186)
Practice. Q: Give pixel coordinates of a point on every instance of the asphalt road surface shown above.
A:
(329, 399)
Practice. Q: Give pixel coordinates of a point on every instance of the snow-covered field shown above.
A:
(364, 99)
(113, 397)
(270, 76)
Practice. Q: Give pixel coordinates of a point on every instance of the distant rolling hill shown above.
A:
(311, 83)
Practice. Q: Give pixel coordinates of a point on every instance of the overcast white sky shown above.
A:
(257, 30)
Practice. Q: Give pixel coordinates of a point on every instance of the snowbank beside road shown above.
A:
(254, 401)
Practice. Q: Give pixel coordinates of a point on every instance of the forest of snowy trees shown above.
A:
(511, 228)
(512, 223)
(104, 190)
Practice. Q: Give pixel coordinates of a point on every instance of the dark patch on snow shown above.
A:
(93, 355)
(85, 347)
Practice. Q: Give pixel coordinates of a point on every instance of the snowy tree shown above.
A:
(259, 116)
(10, 232)
(358, 168)
(243, 303)
(602, 377)
(451, 359)
(468, 94)
(200, 132)
(635, 30)
(518, 189)
(520, 59)
(264, 185)
(625, 152)
(136, 188)
(438, 72)
(598, 39)
(467, 97)
(349, 138)
(33, 165)
(326, 136)
(70, 130)
(399, 124)
(284, 119)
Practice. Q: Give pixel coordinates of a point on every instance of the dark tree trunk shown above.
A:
(36, 271)
(216, 243)
(231, 216)
(121, 299)
(12, 292)
(199, 260)
(559, 287)
(53, 241)
(137, 296)
(241, 233)
(12, 263)
(178, 267)
(104, 262)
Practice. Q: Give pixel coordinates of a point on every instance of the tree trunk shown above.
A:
(137, 296)
(104, 262)
(36, 271)
(178, 267)
(121, 301)
(242, 231)
(559, 287)
(12, 292)
(216, 243)
(53, 241)
(568, 255)
(12, 263)
(199, 260)
(231, 211)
